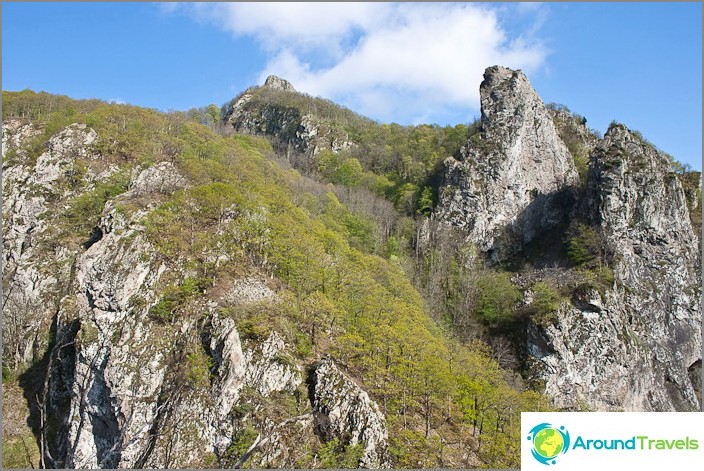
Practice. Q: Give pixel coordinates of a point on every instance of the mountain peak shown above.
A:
(500, 72)
(277, 83)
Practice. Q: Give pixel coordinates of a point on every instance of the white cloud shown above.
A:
(389, 61)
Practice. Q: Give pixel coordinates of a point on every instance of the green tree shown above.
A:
(583, 244)
(349, 173)
(497, 298)
(546, 301)
(425, 202)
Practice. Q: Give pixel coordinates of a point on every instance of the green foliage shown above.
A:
(198, 366)
(243, 439)
(20, 451)
(571, 135)
(338, 297)
(360, 231)
(546, 301)
(335, 455)
(349, 173)
(176, 296)
(426, 201)
(253, 329)
(386, 158)
(583, 244)
(7, 373)
(85, 210)
(497, 298)
(392, 248)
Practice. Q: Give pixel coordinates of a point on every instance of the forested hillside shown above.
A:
(218, 229)
(280, 282)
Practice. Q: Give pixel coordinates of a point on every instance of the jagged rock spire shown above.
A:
(507, 176)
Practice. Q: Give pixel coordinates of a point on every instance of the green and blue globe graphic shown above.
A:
(548, 442)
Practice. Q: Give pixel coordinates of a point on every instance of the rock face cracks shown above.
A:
(343, 410)
(506, 185)
(632, 347)
(124, 391)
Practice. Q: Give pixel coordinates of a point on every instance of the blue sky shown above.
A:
(637, 63)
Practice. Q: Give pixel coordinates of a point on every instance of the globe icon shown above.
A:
(548, 443)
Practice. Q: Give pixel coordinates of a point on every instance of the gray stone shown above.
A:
(504, 186)
(343, 409)
(632, 348)
(278, 83)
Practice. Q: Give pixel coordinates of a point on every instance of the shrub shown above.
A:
(335, 455)
(174, 297)
(546, 301)
(583, 244)
(241, 442)
(497, 298)
(85, 210)
(198, 366)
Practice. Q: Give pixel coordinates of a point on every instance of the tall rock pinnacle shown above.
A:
(506, 182)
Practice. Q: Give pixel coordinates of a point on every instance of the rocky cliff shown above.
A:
(511, 181)
(124, 389)
(174, 298)
(342, 409)
(34, 270)
(634, 346)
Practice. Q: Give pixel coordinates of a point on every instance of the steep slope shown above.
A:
(510, 182)
(649, 323)
(277, 110)
(534, 187)
(209, 308)
(332, 143)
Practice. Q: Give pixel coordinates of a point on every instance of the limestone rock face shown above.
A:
(635, 347)
(161, 178)
(278, 83)
(125, 390)
(31, 276)
(343, 409)
(505, 186)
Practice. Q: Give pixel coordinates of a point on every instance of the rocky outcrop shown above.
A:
(249, 115)
(132, 378)
(124, 389)
(343, 410)
(573, 130)
(507, 184)
(249, 291)
(277, 83)
(162, 178)
(634, 347)
(277, 111)
(32, 278)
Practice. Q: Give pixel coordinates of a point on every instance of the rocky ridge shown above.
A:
(634, 345)
(30, 278)
(641, 210)
(531, 170)
(124, 392)
(268, 111)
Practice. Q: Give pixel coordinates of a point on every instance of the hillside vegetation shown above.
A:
(343, 290)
